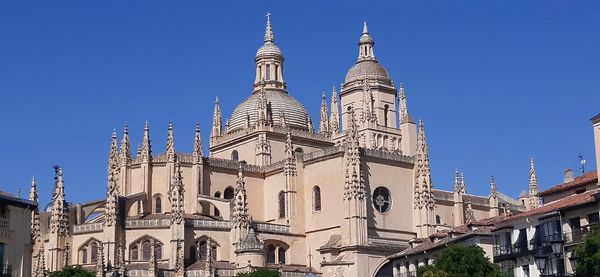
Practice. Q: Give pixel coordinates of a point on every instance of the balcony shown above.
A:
(5, 270)
(3, 223)
(577, 236)
(510, 252)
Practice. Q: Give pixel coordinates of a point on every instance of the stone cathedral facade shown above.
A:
(272, 192)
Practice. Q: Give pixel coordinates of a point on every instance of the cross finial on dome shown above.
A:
(269, 37)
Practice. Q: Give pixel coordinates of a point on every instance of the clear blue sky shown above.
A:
(495, 81)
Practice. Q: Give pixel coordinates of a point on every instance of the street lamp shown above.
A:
(540, 261)
(557, 246)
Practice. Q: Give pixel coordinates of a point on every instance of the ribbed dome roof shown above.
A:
(281, 103)
(268, 49)
(367, 68)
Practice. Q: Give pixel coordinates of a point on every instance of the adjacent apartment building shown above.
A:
(542, 241)
(15, 235)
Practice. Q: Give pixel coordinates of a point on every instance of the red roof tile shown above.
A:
(585, 179)
(569, 201)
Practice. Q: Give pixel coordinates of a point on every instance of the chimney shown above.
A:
(569, 175)
(596, 124)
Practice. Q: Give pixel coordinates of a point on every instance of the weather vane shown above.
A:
(581, 163)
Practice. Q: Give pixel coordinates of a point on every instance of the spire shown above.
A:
(59, 218)
(493, 192)
(100, 266)
(469, 215)
(41, 262)
(289, 166)
(197, 152)
(534, 200)
(368, 110)
(353, 187)
(269, 37)
(365, 45)
(125, 154)
(176, 192)
(35, 218)
(240, 217)
(423, 185)
(153, 264)
(404, 115)
(269, 63)
(33, 192)
(324, 124)
(113, 155)
(112, 197)
(334, 119)
(170, 144)
(217, 124)
(456, 181)
(311, 127)
(146, 148)
(463, 186)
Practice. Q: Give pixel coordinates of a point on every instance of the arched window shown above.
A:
(268, 77)
(94, 253)
(385, 114)
(203, 249)
(133, 253)
(157, 204)
(270, 254)
(234, 155)
(193, 257)
(88, 251)
(276, 73)
(228, 193)
(281, 204)
(146, 250)
(317, 198)
(216, 211)
(299, 150)
(281, 255)
(158, 251)
(438, 219)
(141, 249)
(84, 255)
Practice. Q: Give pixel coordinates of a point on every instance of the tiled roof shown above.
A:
(443, 237)
(585, 179)
(567, 202)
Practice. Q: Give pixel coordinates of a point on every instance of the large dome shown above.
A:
(281, 104)
(367, 68)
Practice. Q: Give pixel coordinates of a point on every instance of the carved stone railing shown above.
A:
(476, 200)
(202, 273)
(3, 223)
(147, 223)
(387, 155)
(274, 166)
(322, 153)
(210, 224)
(272, 228)
(88, 228)
(138, 273)
(235, 134)
(231, 164)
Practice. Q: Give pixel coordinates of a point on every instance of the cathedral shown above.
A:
(329, 198)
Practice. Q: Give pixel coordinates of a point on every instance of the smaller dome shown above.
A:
(269, 49)
(367, 68)
(523, 194)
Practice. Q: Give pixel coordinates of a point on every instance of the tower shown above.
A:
(269, 63)
(533, 199)
(369, 92)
